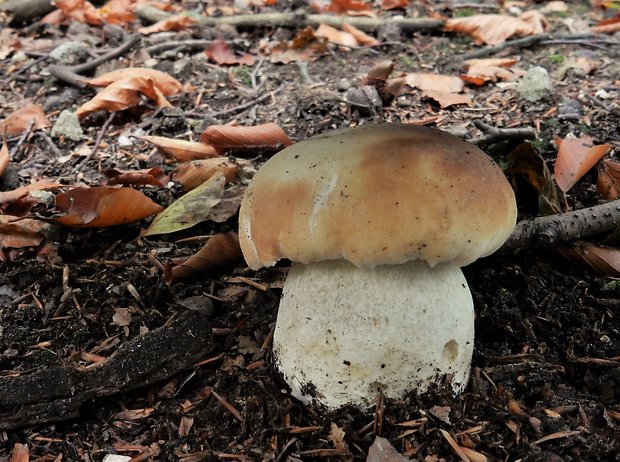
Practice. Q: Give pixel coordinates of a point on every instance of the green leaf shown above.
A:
(191, 209)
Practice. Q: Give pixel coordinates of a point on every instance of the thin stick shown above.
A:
(494, 134)
(102, 132)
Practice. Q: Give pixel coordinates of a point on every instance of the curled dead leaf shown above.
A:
(608, 183)
(16, 232)
(167, 84)
(174, 23)
(306, 46)
(119, 12)
(231, 137)
(362, 37)
(181, 150)
(102, 206)
(220, 53)
(75, 10)
(220, 250)
(196, 172)
(151, 176)
(341, 6)
(19, 121)
(575, 157)
(336, 36)
(490, 29)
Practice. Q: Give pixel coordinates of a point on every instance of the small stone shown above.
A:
(535, 84)
(68, 127)
(70, 53)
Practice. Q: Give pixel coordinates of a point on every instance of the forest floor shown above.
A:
(100, 355)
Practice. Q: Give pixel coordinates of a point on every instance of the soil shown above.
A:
(545, 383)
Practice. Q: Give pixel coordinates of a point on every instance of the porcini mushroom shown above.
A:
(377, 220)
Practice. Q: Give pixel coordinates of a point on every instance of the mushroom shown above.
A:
(378, 221)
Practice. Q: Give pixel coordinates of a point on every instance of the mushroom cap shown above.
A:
(374, 195)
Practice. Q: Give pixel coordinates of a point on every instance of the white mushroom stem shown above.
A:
(343, 332)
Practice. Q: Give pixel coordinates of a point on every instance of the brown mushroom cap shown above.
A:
(374, 195)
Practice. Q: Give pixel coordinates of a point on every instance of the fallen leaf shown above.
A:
(341, 6)
(232, 137)
(608, 183)
(192, 174)
(121, 317)
(134, 414)
(480, 71)
(490, 29)
(220, 250)
(382, 451)
(167, 84)
(575, 157)
(336, 436)
(74, 10)
(150, 176)
(9, 42)
(536, 19)
(8, 197)
(336, 36)
(229, 205)
(557, 435)
(16, 232)
(446, 98)
(220, 53)
(20, 453)
(607, 26)
(474, 456)
(434, 82)
(103, 206)
(182, 150)
(122, 95)
(454, 445)
(119, 12)
(190, 209)
(393, 4)
(5, 157)
(175, 23)
(306, 46)
(362, 37)
(19, 121)
(185, 425)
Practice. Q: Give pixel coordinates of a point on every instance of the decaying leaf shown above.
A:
(220, 251)
(174, 23)
(103, 206)
(341, 6)
(306, 46)
(608, 183)
(446, 98)
(336, 436)
(167, 84)
(233, 137)
(185, 425)
(190, 209)
(123, 94)
(607, 26)
(536, 19)
(434, 82)
(489, 29)
(182, 150)
(121, 317)
(119, 12)
(134, 414)
(575, 157)
(192, 174)
(20, 453)
(151, 176)
(19, 121)
(362, 37)
(336, 36)
(229, 205)
(480, 71)
(9, 197)
(392, 4)
(220, 53)
(17, 233)
(526, 163)
(74, 10)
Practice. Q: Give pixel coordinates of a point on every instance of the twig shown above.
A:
(22, 139)
(71, 74)
(100, 136)
(50, 144)
(494, 134)
(248, 104)
(564, 227)
(522, 43)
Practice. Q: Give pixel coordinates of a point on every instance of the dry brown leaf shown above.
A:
(474, 456)
(336, 36)
(220, 250)
(103, 206)
(336, 436)
(604, 260)
(20, 453)
(134, 414)
(480, 71)
(341, 6)
(119, 12)
(575, 157)
(489, 29)
(220, 53)
(74, 10)
(536, 19)
(557, 435)
(121, 317)
(123, 94)
(230, 137)
(362, 37)
(9, 197)
(151, 176)
(167, 84)
(5, 157)
(196, 172)
(19, 121)
(306, 46)
(446, 98)
(434, 82)
(454, 445)
(174, 23)
(16, 232)
(185, 425)
(393, 4)
(181, 150)
(607, 26)
(608, 183)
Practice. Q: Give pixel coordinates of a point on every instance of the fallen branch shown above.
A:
(570, 226)
(57, 393)
(494, 134)
(294, 20)
(26, 10)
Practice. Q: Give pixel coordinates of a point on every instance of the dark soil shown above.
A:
(545, 383)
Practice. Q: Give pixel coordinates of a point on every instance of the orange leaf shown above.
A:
(607, 26)
(480, 71)
(605, 260)
(76, 10)
(5, 158)
(221, 53)
(361, 37)
(306, 46)
(219, 251)
(194, 173)
(392, 4)
(181, 150)
(16, 232)
(341, 6)
(151, 176)
(119, 12)
(264, 136)
(434, 82)
(336, 36)
(122, 95)
(446, 98)
(18, 121)
(103, 206)
(536, 19)
(489, 29)
(167, 84)
(8, 197)
(608, 183)
(20, 453)
(575, 157)
(174, 23)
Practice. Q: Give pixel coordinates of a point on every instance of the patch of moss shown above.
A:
(244, 74)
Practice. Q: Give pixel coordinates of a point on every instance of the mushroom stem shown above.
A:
(344, 332)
